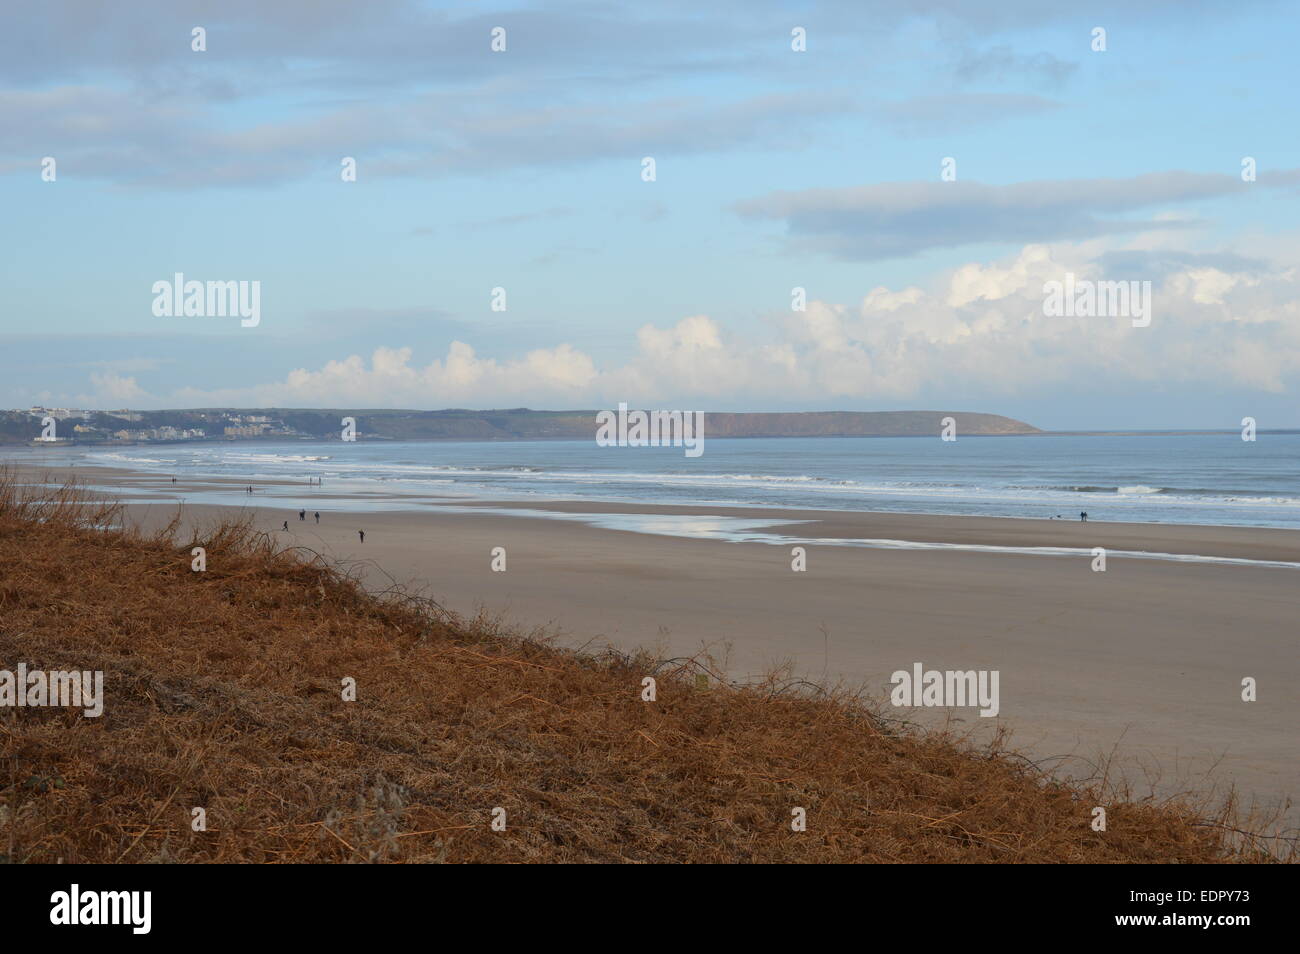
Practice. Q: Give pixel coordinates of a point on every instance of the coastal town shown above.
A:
(61, 425)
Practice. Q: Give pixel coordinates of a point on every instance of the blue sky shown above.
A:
(522, 169)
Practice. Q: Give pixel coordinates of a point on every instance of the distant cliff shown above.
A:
(454, 424)
(524, 424)
(860, 424)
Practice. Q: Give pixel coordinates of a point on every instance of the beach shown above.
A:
(1136, 670)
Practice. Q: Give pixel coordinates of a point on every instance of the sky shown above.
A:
(921, 170)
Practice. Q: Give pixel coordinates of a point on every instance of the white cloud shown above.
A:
(978, 330)
(390, 380)
(109, 389)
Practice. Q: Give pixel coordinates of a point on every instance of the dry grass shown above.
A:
(223, 692)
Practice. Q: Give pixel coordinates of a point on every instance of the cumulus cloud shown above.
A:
(978, 329)
(112, 390)
(389, 379)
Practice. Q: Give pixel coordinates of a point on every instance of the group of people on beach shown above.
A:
(302, 515)
(312, 481)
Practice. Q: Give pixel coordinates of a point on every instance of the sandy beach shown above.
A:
(1142, 663)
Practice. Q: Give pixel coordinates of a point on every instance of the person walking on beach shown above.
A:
(362, 535)
(1084, 516)
(318, 516)
(302, 514)
(286, 525)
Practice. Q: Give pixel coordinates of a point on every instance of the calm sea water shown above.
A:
(1205, 479)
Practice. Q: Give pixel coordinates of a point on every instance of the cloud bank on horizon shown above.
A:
(852, 206)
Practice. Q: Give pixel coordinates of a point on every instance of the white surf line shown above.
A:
(882, 544)
(742, 530)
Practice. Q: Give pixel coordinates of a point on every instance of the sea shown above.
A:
(1209, 479)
